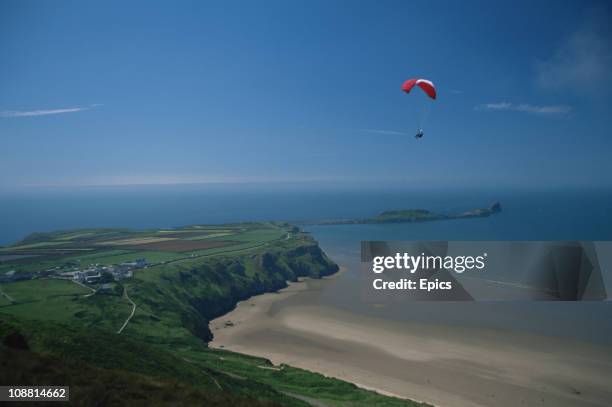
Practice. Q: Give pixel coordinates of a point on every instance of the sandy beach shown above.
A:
(442, 365)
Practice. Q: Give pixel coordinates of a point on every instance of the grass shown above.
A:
(102, 311)
(332, 392)
(135, 241)
(194, 366)
(260, 235)
(107, 246)
(38, 245)
(212, 235)
(64, 301)
(42, 289)
(126, 256)
(99, 368)
(92, 257)
(74, 236)
(90, 386)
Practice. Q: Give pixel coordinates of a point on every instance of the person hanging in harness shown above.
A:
(429, 89)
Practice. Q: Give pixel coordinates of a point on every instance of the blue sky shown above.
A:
(305, 91)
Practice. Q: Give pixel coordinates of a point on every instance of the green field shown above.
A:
(38, 245)
(114, 246)
(63, 301)
(42, 289)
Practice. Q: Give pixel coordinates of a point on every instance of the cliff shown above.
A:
(191, 296)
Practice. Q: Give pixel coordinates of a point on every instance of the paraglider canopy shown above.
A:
(427, 86)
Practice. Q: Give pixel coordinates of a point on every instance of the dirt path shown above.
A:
(8, 297)
(83, 285)
(212, 377)
(125, 294)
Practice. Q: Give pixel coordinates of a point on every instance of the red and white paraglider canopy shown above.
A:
(427, 86)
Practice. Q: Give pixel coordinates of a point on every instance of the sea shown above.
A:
(528, 214)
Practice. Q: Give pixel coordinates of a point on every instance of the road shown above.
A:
(125, 294)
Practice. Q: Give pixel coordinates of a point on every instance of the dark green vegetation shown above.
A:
(414, 215)
(102, 369)
(140, 327)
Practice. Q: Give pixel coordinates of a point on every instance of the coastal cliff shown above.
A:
(213, 287)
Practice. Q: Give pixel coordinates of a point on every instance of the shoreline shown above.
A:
(441, 365)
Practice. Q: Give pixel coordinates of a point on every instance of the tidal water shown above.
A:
(527, 215)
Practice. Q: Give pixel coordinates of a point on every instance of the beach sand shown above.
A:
(442, 365)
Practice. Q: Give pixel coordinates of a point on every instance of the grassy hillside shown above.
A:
(105, 370)
(151, 327)
(90, 360)
(91, 386)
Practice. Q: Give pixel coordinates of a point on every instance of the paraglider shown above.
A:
(430, 90)
(427, 86)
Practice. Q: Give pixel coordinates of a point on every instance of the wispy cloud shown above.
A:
(526, 108)
(382, 131)
(45, 112)
(583, 61)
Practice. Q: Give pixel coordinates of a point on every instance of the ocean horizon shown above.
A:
(528, 214)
